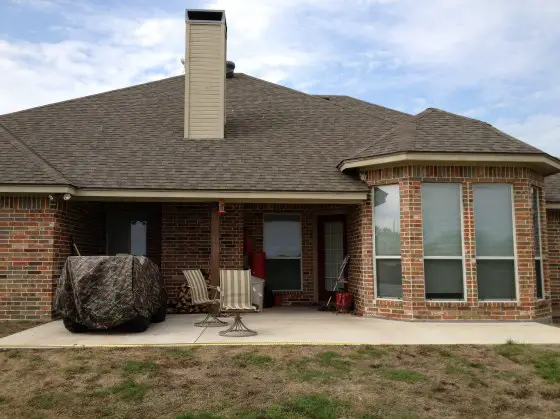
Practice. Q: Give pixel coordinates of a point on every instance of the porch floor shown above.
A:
(288, 325)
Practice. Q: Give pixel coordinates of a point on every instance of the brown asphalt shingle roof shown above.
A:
(434, 130)
(358, 105)
(276, 139)
(21, 165)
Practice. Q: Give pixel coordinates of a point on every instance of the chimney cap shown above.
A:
(205, 16)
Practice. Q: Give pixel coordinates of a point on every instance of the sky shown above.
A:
(495, 60)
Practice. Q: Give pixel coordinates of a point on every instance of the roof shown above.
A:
(552, 188)
(434, 130)
(361, 106)
(21, 165)
(277, 139)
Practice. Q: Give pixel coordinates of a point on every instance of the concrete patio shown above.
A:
(295, 326)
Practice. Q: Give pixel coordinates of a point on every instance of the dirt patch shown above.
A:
(9, 328)
(283, 382)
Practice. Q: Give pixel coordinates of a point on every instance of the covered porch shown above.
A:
(297, 246)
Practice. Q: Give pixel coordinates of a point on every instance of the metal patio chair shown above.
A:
(236, 299)
(200, 296)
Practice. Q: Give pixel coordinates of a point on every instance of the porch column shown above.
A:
(215, 247)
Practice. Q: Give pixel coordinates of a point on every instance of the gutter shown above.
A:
(188, 195)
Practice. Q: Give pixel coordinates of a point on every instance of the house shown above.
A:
(443, 216)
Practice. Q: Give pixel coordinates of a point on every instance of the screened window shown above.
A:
(539, 286)
(386, 216)
(495, 257)
(282, 247)
(443, 241)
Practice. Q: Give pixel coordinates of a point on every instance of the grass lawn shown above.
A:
(510, 380)
(9, 328)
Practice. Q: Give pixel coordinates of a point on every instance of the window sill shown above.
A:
(446, 301)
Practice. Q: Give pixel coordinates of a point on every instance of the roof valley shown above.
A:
(28, 152)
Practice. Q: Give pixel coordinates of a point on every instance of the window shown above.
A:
(495, 257)
(387, 241)
(282, 247)
(443, 241)
(537, 244)
(127, 233)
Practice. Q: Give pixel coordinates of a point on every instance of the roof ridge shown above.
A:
(88, 96)
(455, 114)
(370, 103)
(27, 151)
(484, 123)
(314, 97)
(393, 130)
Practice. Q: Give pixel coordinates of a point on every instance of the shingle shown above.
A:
(434, 130)
(276, 139)
(18, 166)
(361, 106)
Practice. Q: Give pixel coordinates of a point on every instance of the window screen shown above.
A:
(443, 242)
(493, 214)
(387, 241)
(282, 246)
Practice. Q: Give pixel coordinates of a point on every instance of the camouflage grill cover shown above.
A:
(101, 292)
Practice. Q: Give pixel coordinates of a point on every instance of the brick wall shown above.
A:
(81, 222)
(185, 244)
(231, 237)
(553, 223)
(360, 268)
(27, 258)
(413, 304)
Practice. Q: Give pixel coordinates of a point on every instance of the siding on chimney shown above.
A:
(205, 74)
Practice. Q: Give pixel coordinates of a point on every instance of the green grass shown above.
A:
(547, 366)
(324, 366)
(246, 359)
(370, 351)
(292, 382)
(511, 350)
(44, 400)
(405, 375)
(129, 390)
(318, 406)
(139, 367)
(459, 365)
(333, 360)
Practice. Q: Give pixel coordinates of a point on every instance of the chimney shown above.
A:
(205, 73)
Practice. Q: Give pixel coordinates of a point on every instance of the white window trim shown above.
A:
(462, 257)
(290, 258)
(514, 257)
(374, 256)
(539, 226)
